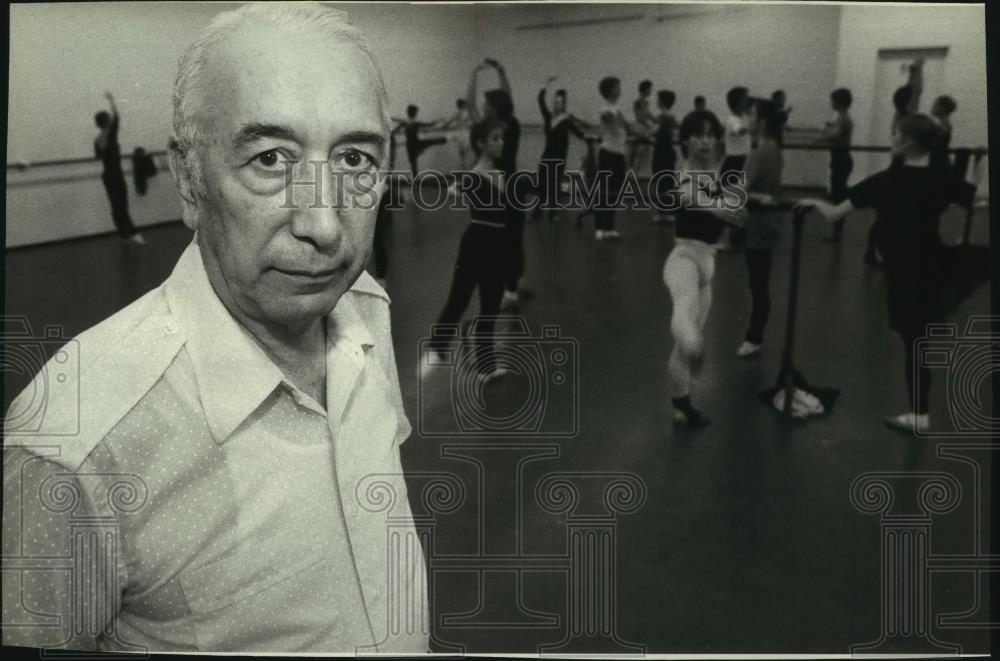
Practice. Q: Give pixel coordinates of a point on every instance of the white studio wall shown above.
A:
(961, 29)
(64, 56)
(691, 49)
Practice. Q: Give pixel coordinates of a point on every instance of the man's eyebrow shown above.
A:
(251, 132)
(364, 136)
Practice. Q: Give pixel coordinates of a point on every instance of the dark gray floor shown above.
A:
(741, 537)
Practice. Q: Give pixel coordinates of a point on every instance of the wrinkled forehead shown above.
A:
(313, 82)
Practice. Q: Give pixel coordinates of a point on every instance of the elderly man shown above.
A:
(222, 486)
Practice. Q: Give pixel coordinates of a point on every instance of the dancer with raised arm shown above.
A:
(558, 125)
(108, 151)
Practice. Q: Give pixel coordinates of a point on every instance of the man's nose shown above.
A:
(318, 205)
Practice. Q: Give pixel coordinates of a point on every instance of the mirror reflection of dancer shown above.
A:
(558, 125)
(415, 145)
(499, 105)
(482, 254)
(909, 198)
(690, 266)
(107, 150)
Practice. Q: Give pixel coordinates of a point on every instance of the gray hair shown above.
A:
(189, 86)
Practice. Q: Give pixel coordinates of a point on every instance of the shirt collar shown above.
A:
(233, 373)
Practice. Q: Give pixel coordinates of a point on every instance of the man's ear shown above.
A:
(185, 184)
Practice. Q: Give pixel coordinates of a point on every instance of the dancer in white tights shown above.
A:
(705, 210)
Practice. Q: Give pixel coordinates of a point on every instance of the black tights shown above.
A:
(918, 393)
(759, 272)
(114, 184)
(478, 266)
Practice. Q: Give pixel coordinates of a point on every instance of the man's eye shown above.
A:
(269, 159)
(355, 159)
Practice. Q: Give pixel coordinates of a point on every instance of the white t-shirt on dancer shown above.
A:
(613, 133)
(737, 144)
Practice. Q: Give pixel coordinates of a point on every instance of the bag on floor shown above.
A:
(807, 400)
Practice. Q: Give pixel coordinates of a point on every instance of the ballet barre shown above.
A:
(27, 165)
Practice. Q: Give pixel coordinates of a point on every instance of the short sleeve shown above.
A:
(61, 584)
(865, 194)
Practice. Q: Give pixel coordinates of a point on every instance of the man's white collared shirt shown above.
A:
(242, 516)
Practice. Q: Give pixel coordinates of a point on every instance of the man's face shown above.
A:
(277, 253)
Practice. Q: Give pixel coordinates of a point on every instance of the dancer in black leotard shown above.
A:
(482, 253)
(908, 198)
(106, 150)
(690, 267)
(499, 105)
(415, 145)
(559, 124)
(664, 156)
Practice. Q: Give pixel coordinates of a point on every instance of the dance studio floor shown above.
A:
(741, 537)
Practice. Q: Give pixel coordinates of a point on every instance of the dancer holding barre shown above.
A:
(909, 198)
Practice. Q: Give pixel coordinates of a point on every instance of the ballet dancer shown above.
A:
(837, 134)
(909, 198)
(611, 156)
(664, 156)
(458, 132)
(482, 253)
(558, 125)
(690, 267)
(763, 226)
(415, 145)
(108, 151)
(500, 105)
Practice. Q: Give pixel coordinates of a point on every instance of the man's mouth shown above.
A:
(307, 274)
